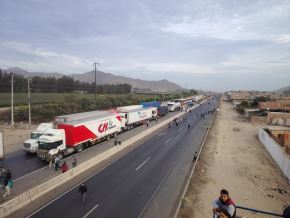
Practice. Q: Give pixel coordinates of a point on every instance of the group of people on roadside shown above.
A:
(63, 166)
(6, 181)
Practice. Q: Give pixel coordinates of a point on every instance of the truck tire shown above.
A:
(80, 148)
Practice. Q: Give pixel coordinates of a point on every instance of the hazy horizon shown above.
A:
(209, 45)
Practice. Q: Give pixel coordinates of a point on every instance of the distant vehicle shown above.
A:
(31, 145)
(173, 106)
(134, 117)
(156, 104)
(182, 101)
(76, 132)
(189, 103)
(162, 110)
(130, 107)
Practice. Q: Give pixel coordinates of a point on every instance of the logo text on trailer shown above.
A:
(103, 127)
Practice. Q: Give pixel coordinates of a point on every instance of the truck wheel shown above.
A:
(80, 148)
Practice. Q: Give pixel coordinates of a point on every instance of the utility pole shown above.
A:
(29, 102)
(12, 106)
(95, 64)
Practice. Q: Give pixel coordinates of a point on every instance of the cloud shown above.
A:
(40, 58)
(192, 38)
(256, 22)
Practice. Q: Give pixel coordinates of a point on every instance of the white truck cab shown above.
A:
(31, 145)
(173, 106)
(51, 144)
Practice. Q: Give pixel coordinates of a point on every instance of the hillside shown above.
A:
(105, 78)
(285, 90)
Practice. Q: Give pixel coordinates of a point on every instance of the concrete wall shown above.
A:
(276, 151)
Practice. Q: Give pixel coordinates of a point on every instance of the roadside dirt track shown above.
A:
(234, 159)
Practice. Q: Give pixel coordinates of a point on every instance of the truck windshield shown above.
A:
(35, 135)
(49, 145)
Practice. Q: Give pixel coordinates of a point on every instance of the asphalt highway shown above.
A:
(22, 164)
(124, 188)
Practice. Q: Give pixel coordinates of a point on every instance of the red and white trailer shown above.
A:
(74, 132)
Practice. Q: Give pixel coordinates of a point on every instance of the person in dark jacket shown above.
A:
(83, 191)
(8, 175)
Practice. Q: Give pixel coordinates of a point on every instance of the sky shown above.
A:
(215, 45)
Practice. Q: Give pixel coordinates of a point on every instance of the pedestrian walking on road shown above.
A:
(50, 162)
(56, 163)
(8, 177)
(7, 186)
(195, 157)
(188, 126)
(83, 191)
(8, 174)
(64, 167)
(2, 175)
(74, 163)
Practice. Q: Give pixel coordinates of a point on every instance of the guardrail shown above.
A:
(251, 212)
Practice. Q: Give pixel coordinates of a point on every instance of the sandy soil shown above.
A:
(234, 159)
(14, 137)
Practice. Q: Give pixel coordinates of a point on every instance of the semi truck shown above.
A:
(173, 106)
(162, 110)
(31, 145)
(134, 117)
(75, 132)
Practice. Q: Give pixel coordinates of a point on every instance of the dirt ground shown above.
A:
(234, 159)
(15, 136)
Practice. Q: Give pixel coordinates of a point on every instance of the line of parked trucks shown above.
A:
(75, 132)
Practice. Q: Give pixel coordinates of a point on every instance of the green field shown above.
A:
(21, 99)
(36, 98)
(45, 106)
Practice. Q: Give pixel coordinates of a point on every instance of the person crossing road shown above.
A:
(83, 191)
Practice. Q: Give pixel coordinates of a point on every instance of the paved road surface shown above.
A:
(125, 187)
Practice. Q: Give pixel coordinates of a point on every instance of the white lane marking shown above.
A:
(85, 216)
(30, 173)
(180, 129)
(162, 133)
(168, 140)
(144, 162)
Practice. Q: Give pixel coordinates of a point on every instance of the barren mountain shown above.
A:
(105, 78)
